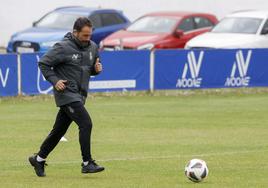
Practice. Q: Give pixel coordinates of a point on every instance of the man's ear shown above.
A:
(75, 33)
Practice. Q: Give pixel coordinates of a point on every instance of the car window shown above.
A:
(58, 20)
(96, 20)
(111, 19)
(187, 24)
(153, 24)
(201, 22)
(265, 28)
(238, 25)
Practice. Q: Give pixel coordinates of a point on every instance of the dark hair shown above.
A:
(80, 23)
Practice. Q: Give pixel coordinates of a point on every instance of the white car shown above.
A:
(244, 29)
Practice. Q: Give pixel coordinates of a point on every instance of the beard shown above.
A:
(84, 44)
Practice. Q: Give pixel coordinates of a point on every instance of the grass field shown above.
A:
(144, 141)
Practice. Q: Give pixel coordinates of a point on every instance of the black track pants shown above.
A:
(72, 112)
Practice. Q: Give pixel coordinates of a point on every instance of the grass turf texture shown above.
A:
(143, 140)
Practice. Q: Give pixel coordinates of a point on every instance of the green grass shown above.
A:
(144, 141)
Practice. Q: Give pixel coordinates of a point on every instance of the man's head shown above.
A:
(82, 29)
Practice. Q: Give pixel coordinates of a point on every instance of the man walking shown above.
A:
(68, 67)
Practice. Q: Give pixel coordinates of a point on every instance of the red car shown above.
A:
(160, 30)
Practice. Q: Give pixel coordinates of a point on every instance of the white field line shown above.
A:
(153, 157)
(182, 156)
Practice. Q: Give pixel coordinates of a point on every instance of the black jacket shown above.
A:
(70, 60)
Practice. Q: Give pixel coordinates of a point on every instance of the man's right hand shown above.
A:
(60, 85)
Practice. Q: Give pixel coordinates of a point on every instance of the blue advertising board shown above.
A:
(8, 75)
(185, 69)
(130, 70)
(122, 70)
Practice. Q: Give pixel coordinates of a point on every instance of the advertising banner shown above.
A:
(8, 75)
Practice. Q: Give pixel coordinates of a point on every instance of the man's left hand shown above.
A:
(98, 66)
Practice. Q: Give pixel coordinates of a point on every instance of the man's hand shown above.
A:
(98, 66)
(60, 85)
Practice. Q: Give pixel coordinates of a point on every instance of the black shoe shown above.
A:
(91, 167)
(39, 167)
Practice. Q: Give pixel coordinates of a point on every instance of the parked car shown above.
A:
(160, 30)
(245, 29)
(52, 27)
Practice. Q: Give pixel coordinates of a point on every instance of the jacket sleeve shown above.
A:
(47, 63)
(93, 71)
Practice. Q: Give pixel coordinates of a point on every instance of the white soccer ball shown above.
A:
(196, 170)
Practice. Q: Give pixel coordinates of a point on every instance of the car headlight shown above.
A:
(187, 47)
(148, 46)
(49, 43)
(101, 44)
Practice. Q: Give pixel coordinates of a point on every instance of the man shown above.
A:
(68, 67)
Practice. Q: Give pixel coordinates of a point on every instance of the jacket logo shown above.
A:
(90, 56)
(241, 64)
(194, 66)
(75, 57)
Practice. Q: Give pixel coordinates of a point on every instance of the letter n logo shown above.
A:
(194, 64)
(241, 63)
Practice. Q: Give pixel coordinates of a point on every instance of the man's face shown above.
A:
(84, 35)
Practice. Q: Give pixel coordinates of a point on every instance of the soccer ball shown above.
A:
(196, 170)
